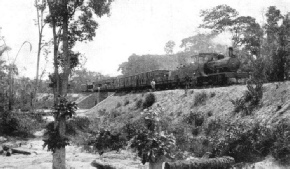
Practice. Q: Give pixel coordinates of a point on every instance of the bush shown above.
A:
(139, 104)
(8, 123)
(102, 112)
(126, 102)
(212, 94)
(244, 142)
(115, 113)
(150, 146)
(149, 100)
(213, 125)
(195, 131)
(179, 113)
(118, 105)
(22, 125)
(107, 140)
(281, 147)
(200, 98)
(76, 124)
(250, 100)
(194, 118)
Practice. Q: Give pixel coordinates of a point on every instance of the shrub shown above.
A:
(281, 147)
(209, 113)
(22, 125)
(250, 100)
(131, 129)
(138, 104)
(115, 113)
(118, 105)
(102, 112)
(194, 118)
(179, 113)
(107, 140)
(212, 94)
(213, 125)
(195, 131)
(126, 102)
(76, 124)
(200, 98)
(244, 142)
(8, 123)
(149, 100)
(151, 144)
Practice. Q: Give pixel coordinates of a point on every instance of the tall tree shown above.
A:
(40, 7)
(4, 84)
(139, 64)
(168, 48)
(244, 29)
(201, 43)
(218, 18)
(74, 21)
(275, 42)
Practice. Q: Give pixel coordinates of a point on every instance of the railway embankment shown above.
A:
(223, 120)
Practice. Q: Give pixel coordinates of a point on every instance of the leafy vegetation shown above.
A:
(250, 100)
(252, 142)
(149, 100)
(138, 104)
(151, 144)
(106, 140)
(200, 98)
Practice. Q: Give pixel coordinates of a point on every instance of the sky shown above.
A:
(134, 26)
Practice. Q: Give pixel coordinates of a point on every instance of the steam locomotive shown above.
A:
(203, 69)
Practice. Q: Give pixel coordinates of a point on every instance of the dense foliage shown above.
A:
(152, 143)
(251, 98)
(106, 140)
(149, 100)
(253, 142)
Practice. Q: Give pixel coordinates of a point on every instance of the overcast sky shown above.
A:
(134, 26)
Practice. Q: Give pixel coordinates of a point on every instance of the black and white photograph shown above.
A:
(144, 84)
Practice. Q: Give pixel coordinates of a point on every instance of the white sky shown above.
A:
(135, 26)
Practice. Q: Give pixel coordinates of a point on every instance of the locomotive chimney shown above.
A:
(231, 52)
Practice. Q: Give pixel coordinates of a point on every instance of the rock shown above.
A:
(7, 152)
(7, 146)
(2, 139)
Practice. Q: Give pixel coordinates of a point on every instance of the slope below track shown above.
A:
(212, 104)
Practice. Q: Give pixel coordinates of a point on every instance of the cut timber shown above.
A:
(211, 163)
(98, 165)
(19, 151)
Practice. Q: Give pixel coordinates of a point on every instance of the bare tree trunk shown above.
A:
(59, 155)
(58, 160)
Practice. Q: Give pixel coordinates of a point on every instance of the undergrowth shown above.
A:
(199, 99)
(150, 99)
(252, 142)
(20, 124)
(250, 99)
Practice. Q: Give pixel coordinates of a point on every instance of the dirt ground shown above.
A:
(76, 158)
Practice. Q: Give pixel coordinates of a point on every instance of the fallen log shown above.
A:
(210, 163)
(99, 165)
(8, 151)
(19, 151)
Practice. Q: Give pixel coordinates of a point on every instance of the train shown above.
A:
(203, 69)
